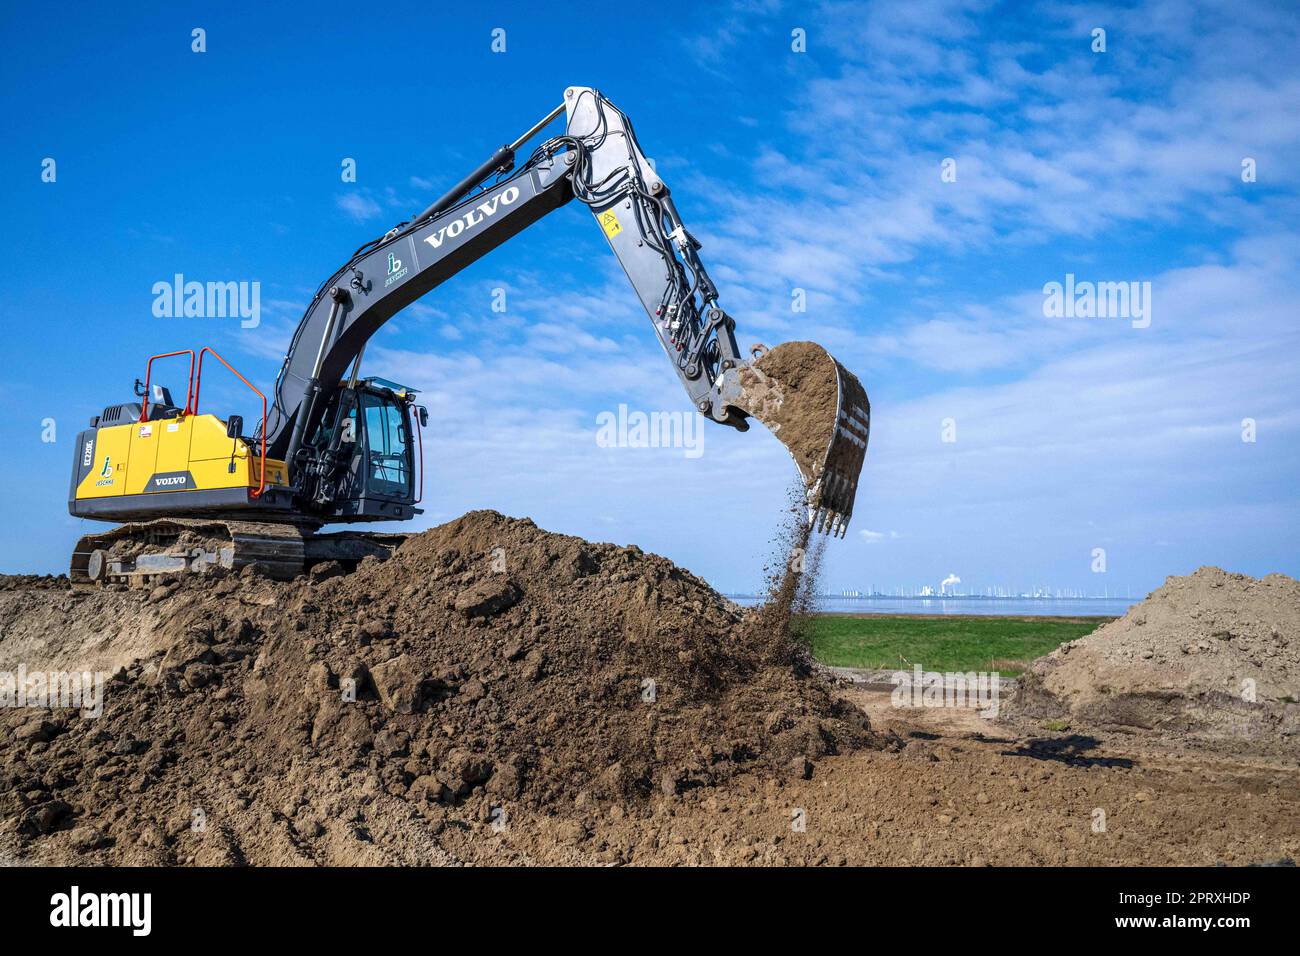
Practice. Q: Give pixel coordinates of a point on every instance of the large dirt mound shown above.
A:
(1212, 655)
(495, 666)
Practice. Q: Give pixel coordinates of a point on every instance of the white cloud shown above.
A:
(358, 206)
(876, 537)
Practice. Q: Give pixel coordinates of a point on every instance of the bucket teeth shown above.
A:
(837, 488)
(834, 494)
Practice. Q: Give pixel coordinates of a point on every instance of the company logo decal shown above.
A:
(395, 270)
(468, 220)
(170, 481)
(106, 474)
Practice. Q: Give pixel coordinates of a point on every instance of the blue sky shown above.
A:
(816, 170)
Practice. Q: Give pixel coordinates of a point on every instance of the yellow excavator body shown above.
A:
(170, 456)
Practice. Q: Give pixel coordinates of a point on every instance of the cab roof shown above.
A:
(399, 390)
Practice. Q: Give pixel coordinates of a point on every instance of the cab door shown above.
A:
(389, 458)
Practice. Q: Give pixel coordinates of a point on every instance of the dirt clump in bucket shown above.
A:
(793, 390)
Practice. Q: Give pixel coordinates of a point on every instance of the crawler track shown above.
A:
(140, 550)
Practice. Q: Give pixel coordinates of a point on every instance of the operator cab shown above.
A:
(373, 438)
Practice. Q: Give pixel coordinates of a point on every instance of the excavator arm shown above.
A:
(635, 211)
(813, 405)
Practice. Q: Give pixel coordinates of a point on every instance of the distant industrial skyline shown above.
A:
(926, 590)
(992, 592)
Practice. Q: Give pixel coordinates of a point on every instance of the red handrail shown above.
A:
(148, 371)
(198, 380)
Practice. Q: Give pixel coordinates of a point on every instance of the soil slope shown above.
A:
(1212, 656)
(488, 668)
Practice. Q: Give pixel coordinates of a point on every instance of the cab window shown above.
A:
(388, 451)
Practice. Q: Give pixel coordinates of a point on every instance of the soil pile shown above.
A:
(487, 667)
(1212, 655)
(46, 624)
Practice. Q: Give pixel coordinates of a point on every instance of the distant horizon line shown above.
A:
(948, 597)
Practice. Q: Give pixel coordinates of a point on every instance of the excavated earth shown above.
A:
(494, 693)
(488, 667)
(792, 390)
(1212, 657)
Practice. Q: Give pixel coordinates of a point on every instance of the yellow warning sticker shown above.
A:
(609, 222)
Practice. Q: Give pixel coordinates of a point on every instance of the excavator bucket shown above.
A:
(819, 411)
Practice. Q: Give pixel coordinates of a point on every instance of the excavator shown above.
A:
(336, 447)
